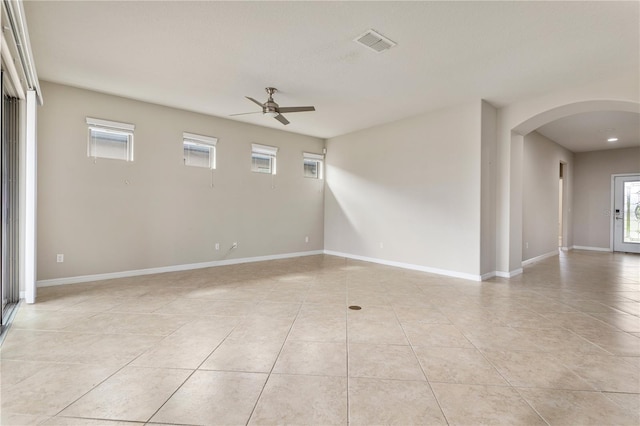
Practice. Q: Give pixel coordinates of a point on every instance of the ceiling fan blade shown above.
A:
(245, 113)
(254, 101)
(296, 109)
(281, 119)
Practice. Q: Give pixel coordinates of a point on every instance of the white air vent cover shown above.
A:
(374, 41)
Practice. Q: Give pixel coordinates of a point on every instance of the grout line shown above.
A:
(196, 369)
(135, 358)
(529, 404)
(274, 364)
(424, 373)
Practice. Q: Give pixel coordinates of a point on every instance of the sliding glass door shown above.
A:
(9, 230)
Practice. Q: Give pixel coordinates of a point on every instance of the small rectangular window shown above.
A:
(199, 151)
(110, 139)
(312, 165)
(263, 159)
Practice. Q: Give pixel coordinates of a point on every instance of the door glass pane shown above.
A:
(9, 196)
(631, 208)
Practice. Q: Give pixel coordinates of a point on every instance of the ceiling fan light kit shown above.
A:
(272, 109)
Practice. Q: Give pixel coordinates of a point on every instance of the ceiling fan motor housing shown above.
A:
(270, 106)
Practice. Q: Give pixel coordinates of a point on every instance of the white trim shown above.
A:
(487, 276)
(539, 258)
(510, 274)
(18, 25)
(31, 191)
(22, 294)
(110, 124)
(608, 249)
(174, 268)
(199, 139)
(612, 216)
(313, 156)
(411, 266)
(13, 77)
(264, 149)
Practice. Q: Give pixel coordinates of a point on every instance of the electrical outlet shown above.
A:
(526, 245)
(306, 239)
(234, 245)
(60, 258)
(217, 246)
(381, 244)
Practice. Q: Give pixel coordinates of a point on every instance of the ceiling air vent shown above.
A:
(374, 41)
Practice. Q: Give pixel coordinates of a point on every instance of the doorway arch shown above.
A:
(517, 134)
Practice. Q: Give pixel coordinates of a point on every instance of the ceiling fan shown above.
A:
(272, 109)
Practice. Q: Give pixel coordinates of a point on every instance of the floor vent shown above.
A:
(374, 41)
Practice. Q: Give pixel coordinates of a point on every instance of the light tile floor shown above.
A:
(274, 343)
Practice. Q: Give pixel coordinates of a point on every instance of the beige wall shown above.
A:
(592, 196)
(414, 185)
(540, 196)
(113, 216)
(409, 191)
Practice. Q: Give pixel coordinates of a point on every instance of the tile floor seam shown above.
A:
(122, 368)
(531, 406)
(495, 368)
(273, 366)
(592, 343)
(190, 375)
(589, 314)
(424, 373)
(95, 387)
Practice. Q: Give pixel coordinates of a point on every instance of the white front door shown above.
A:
(626, 213)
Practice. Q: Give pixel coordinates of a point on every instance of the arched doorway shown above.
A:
(517, 134)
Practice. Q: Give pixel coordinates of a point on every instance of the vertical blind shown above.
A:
(110, 139)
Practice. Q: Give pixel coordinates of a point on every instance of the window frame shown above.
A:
(209, 142)
(112, 127)
(318, 159)
(264, 152)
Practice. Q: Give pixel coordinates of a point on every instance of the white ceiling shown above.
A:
(206, 56)
(590, 131)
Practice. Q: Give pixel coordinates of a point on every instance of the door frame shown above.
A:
(564, 217)
(612, 219)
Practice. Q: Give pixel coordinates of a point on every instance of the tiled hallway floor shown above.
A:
(274, 343)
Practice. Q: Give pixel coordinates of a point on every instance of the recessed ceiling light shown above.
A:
(612, 140)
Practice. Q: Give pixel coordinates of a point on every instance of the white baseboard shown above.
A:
(411, 266)
(487, 276)
(539, 258)
(174, 268)
(509, 274)
(591, 248)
